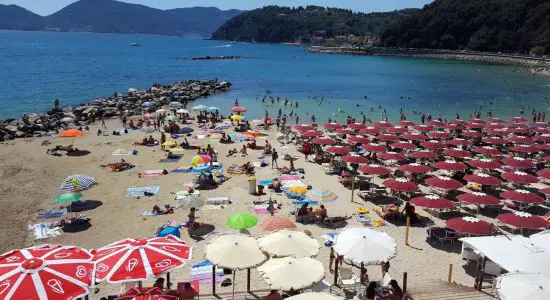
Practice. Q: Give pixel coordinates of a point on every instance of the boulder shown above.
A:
(11, 128)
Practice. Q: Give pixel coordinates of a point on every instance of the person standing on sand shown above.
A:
(274, 157)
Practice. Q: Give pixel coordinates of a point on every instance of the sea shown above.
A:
(37, 67)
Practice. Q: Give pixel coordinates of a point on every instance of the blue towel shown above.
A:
(52, 213)
(265, 182)
(139, 191)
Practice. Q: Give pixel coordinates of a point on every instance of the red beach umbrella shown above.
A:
(487, 150)
(518, 119)
(415, 168)
(139, 259)
(471, 134)
(391, 156)
(518, 130)
(357, 126)
(439, 134)
(520, 139)
(323, 141)
(153, 293)
(332, 126)
(312, 133)
(347, 131)
(400, 184)
(424, 154)
(475, 125)
(483, 179)
(499, 132)
(478, 199)
(458, 121)
(444, 183)
(373, 147)
(546, 158)
(432, 202)
(433, 145)
(403, 145)
(406, 123)
(523, 220)
(494, 126)
(544, 173)
(484, 163)
(396, 129)
(522, 196)
(459, 142)
(457, 153)
(539, 124)
(46, 272)
(386, 137)
(383, 124)
(273, 223)
(374, 169)
(238, 109)
(450, 165)
(423, 128)
(304, 127)
(355, 159)
(370, 130)
(338, 150)
(476, 120)
(413, 136)
(436, 123)
(517, 125)
(519, 177)
(524, 149)
(544, 147)
(452, 127)
(542, 130)
(494, 140)
(518, 162)
(496, 120)
(470, 225)
(358, 139)
(546, 191)
(545, 138)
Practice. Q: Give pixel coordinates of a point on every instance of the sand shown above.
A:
(29, 179)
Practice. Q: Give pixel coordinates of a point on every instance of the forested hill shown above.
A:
(485, 25)
(275, 24)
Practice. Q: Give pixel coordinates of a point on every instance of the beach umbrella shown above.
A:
(241, 220)
(383, 124)
(523, 220)
(498, 132)
(517, 119)
(495, 120)
(450, 165)
(182, 111)
(475, 125)
(415, 168)
(71, 133)
(523, 286)
(478, 198)
(403, 145)
(458, 122)
(517, 130)
(298, 189)
(159, 111)
(494, 126)
(170, 144)
(237, 117)
(482, 179)
(522, 196)
(520, 139)
(436, 123)
(413, 136)
(471, 134)
(274, 223)
(312, 133)
(406, 123)
(386, 137)
(148, 104)
(524, 149)
(476, 120)
(518, 162)
(304, 127)
(332, 126)
(444, 183)
(458, 153)
(470, 225)
(139, 259)
(546, 191)
(323, 141)
(397, 129)
(338, 150)
(321, 195)
(153, 293)
(199, 107)
(544, 173)
(185, 130)
(432, 202)
(519, 177)
(358, 139)
(374, 169)
(357, 126)
(46, 272)
(439, 134)
(77, 183)
(459, 142)
(494, 140)
(355, 159)
(391, 156)
(365, 246)
(545, 138)
(433, 145)
(212, 109)
(175, 105)
(487, 150)
(200, 159)
(400, 184)
(289, 243)
(452, 127)
(424, 154)
(316, 296)
(67, 198)
(289, 273)
(171, 118)
(202, 168)
(484, 163)
(238, 109)
(347, 131)
(370, 130)
(374, 147)
(149, 116)
(234, 251)
(423, 128)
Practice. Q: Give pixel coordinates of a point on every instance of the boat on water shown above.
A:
(135, 44)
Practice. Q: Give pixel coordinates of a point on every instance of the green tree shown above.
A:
(538, 50)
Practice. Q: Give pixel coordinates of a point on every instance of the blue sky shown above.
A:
(45, 7)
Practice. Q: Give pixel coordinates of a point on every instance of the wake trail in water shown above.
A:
(221, 46)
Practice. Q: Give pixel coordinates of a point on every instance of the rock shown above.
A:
(12, 128)
(20, 134)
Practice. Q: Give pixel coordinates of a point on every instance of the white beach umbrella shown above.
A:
(234, 252)
(365, 245)
(182, 111)
(162, 110)
(316, 296)
(292, 273)
(175, 105)
(200, 107)
(523, 286)
(289, 243)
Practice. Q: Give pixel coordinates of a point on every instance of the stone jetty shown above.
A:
(117, 105)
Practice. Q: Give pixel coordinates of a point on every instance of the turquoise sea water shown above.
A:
(36, 67)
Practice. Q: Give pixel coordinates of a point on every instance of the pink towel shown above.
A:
(141, 175)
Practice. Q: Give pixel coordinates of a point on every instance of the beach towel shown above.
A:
(185, 169)
(202, 272)
(43, 231)
(262, 210)
(151, 173)
(146, 213)
(289, 183)
(289, 178)
(120, 153)
(218, 201)
(265, 182)
(52, 213)
(329, 238)
(139, 191)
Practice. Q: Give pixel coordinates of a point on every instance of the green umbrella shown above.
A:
(241, 221)
(67, 198)
(171, 118)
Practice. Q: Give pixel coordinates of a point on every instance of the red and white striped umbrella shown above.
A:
(373, 147)
(487, 150)
(439, 134)
(444, 183)
(370, 130)
(323, 141)
(332, 126)
(400, 184)
(483, 179)
(238, 109)
(494, 140)
(413, 136)
(357, 126)
(46, 272)
(518, 162)
(524, 149)
(484, 163)
(450, 165)
(432, 202)
(406, 123)
(520, 139)
(358, 139)
(391, 156)
(153, 293)
(545, 138)
(496, 120)
(138, 259)
(433, 145)
(458, 121)
(403, 145)
(415, 168)
(383, 124)
(436, 123)
(523, 220)
(523, 196)
(475, 125)
(476, 120)
(519, 177)
(355, 159)
(424, 154)
(386, 137)
(374, 169)
(338, 150)
(544, 173)
(470, 225)
(347, 131)
(478, 198)
(518, 119)
(453, 127)
(494, 126)
(423, 128)
(397, 129)
(273, 223)
(458, 153)
(304, 127)
(460, 142)
(311, 133)
(471, 134)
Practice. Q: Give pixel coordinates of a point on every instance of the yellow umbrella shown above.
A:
(298, 189)
(237, 117)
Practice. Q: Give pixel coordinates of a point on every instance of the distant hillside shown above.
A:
(277, 24)
(109, 16)
(484, 25)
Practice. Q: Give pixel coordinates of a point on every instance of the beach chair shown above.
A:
(347, 279)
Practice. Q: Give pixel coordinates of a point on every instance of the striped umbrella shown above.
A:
(201, 168)
(77, 183)
(274, 223)
(321, 196)
(200, 159)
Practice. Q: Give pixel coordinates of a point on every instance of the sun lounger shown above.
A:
(441, 235)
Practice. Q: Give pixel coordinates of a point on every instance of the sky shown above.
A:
(46, 7)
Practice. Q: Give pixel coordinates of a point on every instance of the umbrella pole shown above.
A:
(234, 283)
(361, 277)
(213, 280)
(168, 280)
(248, 280)
(352, 187)
(407, 230)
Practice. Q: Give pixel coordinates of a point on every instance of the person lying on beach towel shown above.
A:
(67, 149)
(165, 211)
(334, 221)
(119, 166)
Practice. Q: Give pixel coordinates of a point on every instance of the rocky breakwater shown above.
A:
(117, 105)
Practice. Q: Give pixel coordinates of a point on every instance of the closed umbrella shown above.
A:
(478, 198)
(241, 221)
(365, 246)
(400, 184)
(470, 225)
(445, 183)
(523, 220)
(482, 179)
(415, 168)
(523, 286)
(274, 223)
(522, 196)
(289, 243)
(432, 202)
(289, 273)
(518, 162)
(519, 177)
